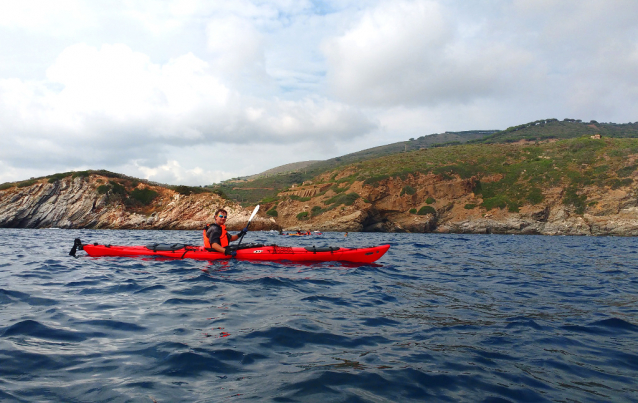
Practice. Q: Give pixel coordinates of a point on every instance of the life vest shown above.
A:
(223, 238)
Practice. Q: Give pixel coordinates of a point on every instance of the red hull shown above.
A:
(270, 253)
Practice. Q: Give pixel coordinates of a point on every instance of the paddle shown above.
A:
(249, 220)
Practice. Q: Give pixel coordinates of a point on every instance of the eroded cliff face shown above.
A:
(384, 207)
(456, 209)
(77, 203)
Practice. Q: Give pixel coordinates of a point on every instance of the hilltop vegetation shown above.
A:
(266, 186)
(554, 129)
(119, 182)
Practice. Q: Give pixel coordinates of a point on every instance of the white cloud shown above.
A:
(173, 172)
(60, 17)
(412, 53)
(236, 47)
(187, 89)
(112, 105)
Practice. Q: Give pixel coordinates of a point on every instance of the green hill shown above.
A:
(265, 186)
(554, 129)
(540, 130)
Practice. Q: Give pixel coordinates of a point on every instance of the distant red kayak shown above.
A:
(245, 252)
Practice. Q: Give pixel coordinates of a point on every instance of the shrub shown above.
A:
(117, 188)
(267, 200)
(495, 202)
(102, 189)
(337, 189)
(462, 170)
(347, 199)
(302, 216)
(478, 188)
(374, 180)
(143, 196)
(512, 207)
(316, 210)
(535, 195)
(272, 212)
(426, 210)
(430, 200)
(412, 211)
(574, 199)
(185, 190)
(57, 177)
(618, 183)
(81, 174)
(26, 183)
(220, 193)
(469, 206)
(408, 190)
(5, 186)
(298, 198)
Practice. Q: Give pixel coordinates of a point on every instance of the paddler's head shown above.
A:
(220, 216)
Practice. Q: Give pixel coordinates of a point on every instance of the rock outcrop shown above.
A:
(417, 203)
(77, 203)
(454, 208)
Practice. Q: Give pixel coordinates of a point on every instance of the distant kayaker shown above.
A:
(216, 237)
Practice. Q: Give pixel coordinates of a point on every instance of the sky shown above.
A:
(195, 92)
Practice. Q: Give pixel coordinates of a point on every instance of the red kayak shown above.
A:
(244, 252)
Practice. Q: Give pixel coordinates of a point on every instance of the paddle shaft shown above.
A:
(249, 221)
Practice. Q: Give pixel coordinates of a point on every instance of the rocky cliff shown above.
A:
(386, 207)
(99, 202)
(582, 186)
(455, 208)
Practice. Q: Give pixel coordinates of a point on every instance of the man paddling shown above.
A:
(216, 237)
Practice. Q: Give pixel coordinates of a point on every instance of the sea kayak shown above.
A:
(244, 252)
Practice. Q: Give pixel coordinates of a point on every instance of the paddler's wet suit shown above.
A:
(215, 235)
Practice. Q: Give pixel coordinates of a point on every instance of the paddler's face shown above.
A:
(220, 219)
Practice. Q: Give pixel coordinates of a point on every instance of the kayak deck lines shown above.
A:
(243, 252)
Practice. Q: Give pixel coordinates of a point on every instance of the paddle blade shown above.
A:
(254, 212)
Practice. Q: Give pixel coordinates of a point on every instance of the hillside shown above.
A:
(573, 186)
(554, 129)
(579, 186)
(282, 169)
(265, 186)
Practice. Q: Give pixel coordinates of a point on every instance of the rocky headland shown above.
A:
(454, 208)
(582, 186)
(80, 202)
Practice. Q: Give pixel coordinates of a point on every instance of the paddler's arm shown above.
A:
(217, 247)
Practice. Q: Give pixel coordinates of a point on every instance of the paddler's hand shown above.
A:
(243, 232)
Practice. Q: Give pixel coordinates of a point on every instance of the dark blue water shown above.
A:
(482, 318)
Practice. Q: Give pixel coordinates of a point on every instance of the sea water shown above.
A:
(475, 318)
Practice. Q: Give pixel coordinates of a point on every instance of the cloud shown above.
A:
(61, 17)
(188, 89)
(575, 56)
(173, 172)
(412, 53)
(112, 105)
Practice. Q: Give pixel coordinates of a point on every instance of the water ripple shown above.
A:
(441, 317)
